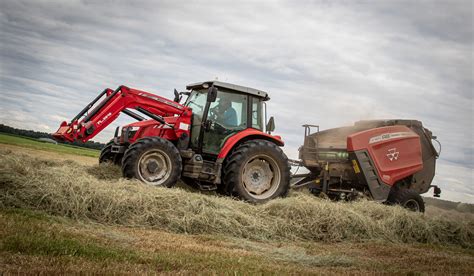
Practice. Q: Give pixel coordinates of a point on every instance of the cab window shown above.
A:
(229, 110)
(228, 115)
(196, 101)
(257, 113)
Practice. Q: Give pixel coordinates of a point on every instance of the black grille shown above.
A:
(131, 134)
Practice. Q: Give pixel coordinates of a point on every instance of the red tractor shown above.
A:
(215, 140)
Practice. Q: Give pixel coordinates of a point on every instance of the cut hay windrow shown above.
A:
(99, 194)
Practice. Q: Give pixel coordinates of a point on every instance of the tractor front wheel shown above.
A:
(153, 160)
(257, 171)
(408, 199)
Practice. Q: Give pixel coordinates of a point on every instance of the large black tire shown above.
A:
(408, 199)
(153, 160)
(257, 171)
(107, 156)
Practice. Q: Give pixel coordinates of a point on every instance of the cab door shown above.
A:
(197, 101)
(226, 116)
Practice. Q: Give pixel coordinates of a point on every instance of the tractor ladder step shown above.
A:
(204, 187)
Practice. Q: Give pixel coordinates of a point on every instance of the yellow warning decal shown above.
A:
(355, 166)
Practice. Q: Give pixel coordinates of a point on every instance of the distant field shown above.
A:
(36, 144)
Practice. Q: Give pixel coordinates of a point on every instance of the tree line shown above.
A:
(39, 134)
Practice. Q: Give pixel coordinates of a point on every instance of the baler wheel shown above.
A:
(408, 199)
(153, 160)
(257, 171)
(106, 155)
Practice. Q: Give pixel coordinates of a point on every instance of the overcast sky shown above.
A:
(323, 62)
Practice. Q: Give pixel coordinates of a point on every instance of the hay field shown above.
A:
(298, 234)
(31, 143)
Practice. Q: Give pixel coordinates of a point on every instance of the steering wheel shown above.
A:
(213, 113)
(219, 128)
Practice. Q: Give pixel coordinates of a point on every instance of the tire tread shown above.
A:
(133, 153)
(236, 157)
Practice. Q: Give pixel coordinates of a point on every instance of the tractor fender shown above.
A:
(246, 135)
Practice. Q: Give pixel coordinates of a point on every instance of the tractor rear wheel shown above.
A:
(408, 199)
(257, 171)
(106, 155)
(153, 160)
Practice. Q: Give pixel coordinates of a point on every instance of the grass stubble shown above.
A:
(98, 194)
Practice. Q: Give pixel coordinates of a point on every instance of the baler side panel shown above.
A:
(395, 151)
(366, 172)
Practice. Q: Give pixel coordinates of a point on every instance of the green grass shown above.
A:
(36, 234)
(41, 244)
(36, 144)
(29, 232)
(38, 243)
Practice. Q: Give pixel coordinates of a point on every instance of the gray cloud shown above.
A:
(328, 63)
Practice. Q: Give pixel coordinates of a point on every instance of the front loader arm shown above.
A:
(88, 123)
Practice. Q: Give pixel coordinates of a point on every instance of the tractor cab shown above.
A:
(221, 110)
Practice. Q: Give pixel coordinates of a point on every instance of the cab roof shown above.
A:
(230, 86)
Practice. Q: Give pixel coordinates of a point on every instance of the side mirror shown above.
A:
(212, 94)
(270, 125)
(177, 98)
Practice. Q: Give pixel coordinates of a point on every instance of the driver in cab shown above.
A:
(225, 113)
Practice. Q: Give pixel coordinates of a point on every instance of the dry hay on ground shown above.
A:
(99, 194)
